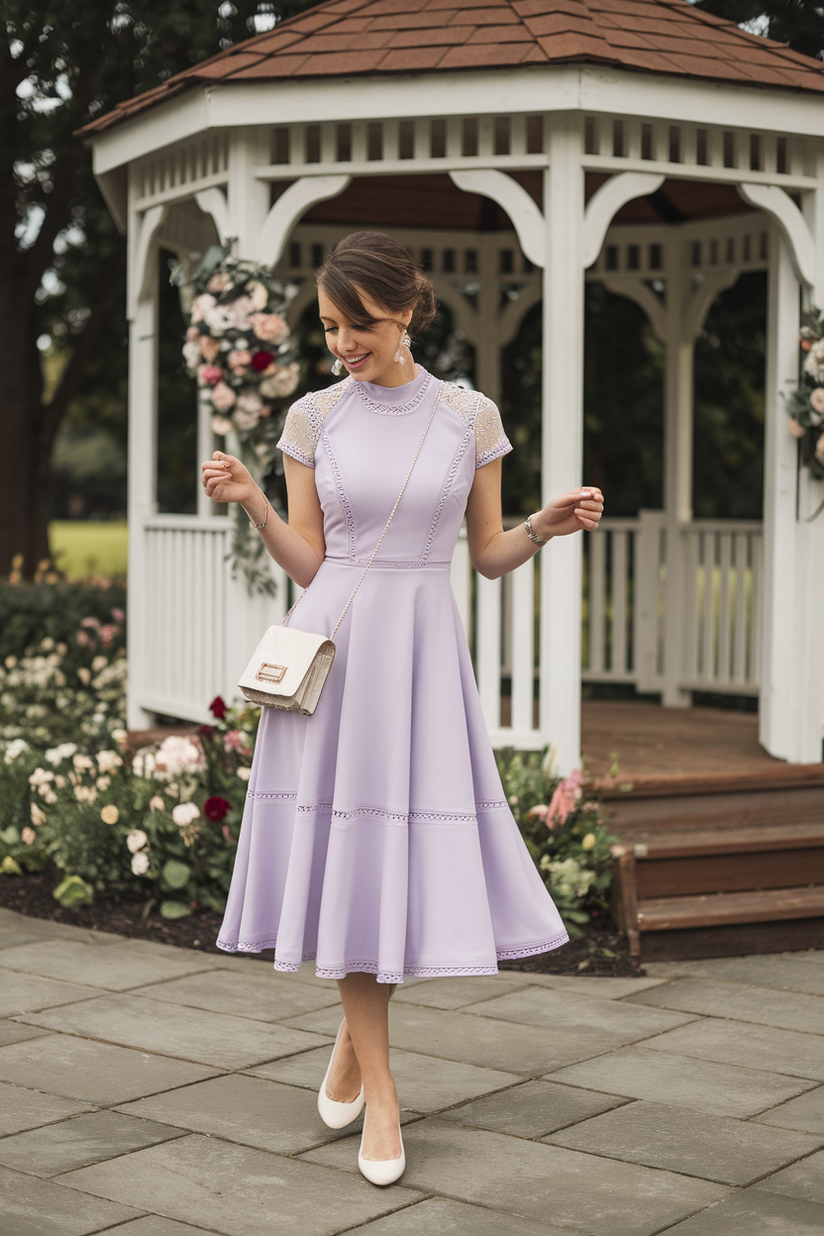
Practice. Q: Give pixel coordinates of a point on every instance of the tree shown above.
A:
(800, 23)
(62, 262)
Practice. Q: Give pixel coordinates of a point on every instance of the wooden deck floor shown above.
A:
(648, 741)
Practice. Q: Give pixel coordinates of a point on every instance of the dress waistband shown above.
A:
(390, 564)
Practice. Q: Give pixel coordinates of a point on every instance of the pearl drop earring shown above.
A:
(337, 368)
(405, 342)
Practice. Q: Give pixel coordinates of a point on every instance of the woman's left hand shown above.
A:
(570, 512)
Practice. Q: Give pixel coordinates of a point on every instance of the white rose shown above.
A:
(157, 803)
(136, 840)
(140, 863)
(184, 813)
(244, 773)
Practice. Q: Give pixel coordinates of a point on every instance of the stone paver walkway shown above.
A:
(153, 1091)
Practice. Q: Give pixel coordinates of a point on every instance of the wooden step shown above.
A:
(687, 843)
(717, 909)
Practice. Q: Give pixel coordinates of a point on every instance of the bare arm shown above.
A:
(299, 546)
(494, 552)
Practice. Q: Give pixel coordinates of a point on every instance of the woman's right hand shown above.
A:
(226, 479)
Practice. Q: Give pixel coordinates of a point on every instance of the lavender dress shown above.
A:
(376, 835)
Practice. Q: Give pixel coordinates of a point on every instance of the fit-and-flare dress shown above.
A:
(376, 835)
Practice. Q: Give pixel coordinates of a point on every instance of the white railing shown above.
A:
(199, 625)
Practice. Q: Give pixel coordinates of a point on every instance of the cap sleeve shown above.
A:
(301, 431)
(490, 440)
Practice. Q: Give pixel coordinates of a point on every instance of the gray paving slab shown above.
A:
(785, 1009)
(532, 1109)
(33, 1207)
(565, 1012)
(806, 1113)
(601, 1197)
(454, 993)
(258, 994)
(156, 1225)
(776, 970)
(605, 986)
(75, 1143)
(46, 929)
(484, 1041)
(97, 1073)
(249, 1110)
(664, 1077)
(28, 993)
(440, 1216)
(239, 1191)
(753, 1213)
(155, 1026)
(804, 1180)
(115, 967)
(734, 1152)
(748, 1045)
(23, 1108)
(14, 1032)
(425, 1083)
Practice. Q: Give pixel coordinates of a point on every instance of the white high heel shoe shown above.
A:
(333, 1114)
(382, 1171)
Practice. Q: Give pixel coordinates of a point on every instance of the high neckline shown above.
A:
(395, 400)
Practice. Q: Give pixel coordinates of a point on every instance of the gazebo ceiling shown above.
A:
(347, 38)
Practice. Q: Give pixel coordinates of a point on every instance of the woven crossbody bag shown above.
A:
(289, 667)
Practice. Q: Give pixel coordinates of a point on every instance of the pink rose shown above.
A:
(796, 429)
(210, 375)
(817, 400)
(819, 449)
(221, 282)
(223, 397)
(239, 361)
(270, 327)
(193, 334)
(564, 800)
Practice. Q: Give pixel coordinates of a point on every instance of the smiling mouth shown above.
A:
(354, 360)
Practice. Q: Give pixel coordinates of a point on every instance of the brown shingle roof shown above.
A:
(344, 38)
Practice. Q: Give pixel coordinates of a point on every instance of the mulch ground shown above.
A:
(599, 951)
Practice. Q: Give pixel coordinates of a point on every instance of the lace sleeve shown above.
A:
(301, 431)
(490, 440)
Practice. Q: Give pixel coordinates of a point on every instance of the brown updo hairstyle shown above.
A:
(384, 269)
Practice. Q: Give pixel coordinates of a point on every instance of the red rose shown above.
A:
(218, 708)
(261, 360)
(216, 808)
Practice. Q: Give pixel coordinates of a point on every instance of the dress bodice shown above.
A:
(361, 438)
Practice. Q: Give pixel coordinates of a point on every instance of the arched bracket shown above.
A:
(605, 204)
(213, 202)
(288, 209)
(778, 203)
(526, 217)
(149, 226)
(636, 290)
(704, 296)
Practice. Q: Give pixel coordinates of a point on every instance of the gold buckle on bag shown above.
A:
(271, 673)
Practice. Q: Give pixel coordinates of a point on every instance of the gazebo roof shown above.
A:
(358, 37)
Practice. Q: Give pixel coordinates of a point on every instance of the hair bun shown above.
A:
(426, 306)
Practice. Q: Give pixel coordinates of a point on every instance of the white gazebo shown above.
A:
(518, 148)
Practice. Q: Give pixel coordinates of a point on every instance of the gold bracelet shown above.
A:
(259, 527)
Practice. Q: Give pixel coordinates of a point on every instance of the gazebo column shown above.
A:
(678, 414)
(143, 387)
(562, 444)
(781, 674)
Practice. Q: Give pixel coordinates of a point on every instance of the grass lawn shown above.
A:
(89, 547)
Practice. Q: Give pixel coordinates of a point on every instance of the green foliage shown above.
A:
(797, 22)
(564, 832)
(61, 612)
(73, 892)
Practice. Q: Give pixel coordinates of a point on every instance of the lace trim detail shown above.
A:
(271, 795)
(482, 417)
(396, 409)
(391, 976)
(509, 954)
(450, 480)
(349, 514)
(304, 422)
(377, 813)
(493, 805)
(314, 808)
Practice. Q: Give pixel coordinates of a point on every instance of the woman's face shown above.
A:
(368, 352)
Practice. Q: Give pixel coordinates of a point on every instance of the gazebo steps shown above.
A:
(708, 861)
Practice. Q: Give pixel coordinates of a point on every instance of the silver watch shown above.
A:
(533, 536)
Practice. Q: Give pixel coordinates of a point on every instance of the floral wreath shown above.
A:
(805, 404)
(240, 349)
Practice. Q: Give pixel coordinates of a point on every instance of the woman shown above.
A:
(376, 838)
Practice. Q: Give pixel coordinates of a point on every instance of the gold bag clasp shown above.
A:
(271, 673)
